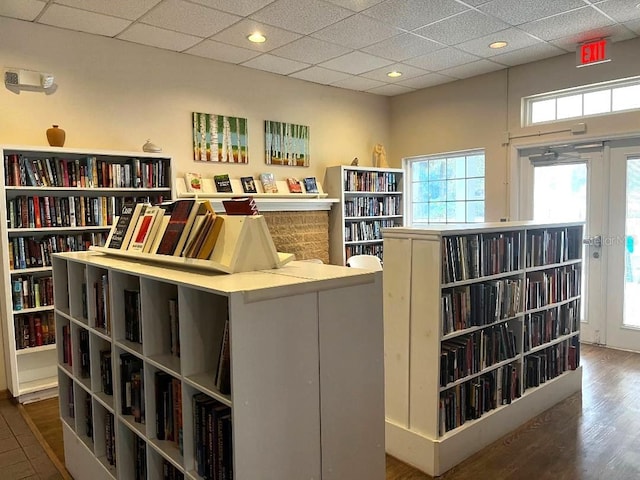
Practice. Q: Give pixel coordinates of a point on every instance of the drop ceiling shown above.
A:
(350, 44)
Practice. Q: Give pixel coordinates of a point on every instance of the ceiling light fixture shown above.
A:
(257, 37)
(394, 74)
(499, 44)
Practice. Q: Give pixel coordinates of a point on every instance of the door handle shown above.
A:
(595, 241)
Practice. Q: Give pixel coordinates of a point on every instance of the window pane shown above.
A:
(420, 212)
(437, 169)
(475, 166)
(420, 171)
(475, 189)
(597, 102)
(543, 110)
(456, 167)
(570, 107)
(456, 212)
(419, 191)
(475, 212)
(437, 212)
(625, 98)
(456, 190)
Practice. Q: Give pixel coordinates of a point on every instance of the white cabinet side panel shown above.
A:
(275, 388)
(352, 382)
(79, 460)
(397, 309)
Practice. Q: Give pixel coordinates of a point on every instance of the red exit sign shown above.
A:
(591, 53)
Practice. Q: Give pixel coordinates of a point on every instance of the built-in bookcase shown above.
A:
(289, 341)
(58, 200)
(482, 332)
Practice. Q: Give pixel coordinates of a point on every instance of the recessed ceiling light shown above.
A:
(500, 44)
(257, 37)
(394, 74)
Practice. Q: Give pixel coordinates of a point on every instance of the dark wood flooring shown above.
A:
(593, 435)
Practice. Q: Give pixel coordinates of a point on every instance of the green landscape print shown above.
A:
(286, 144)
(218, 138)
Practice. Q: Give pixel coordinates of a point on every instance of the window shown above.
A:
(447, 188)
(598, 99)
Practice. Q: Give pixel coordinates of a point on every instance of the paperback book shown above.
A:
(310, 185)
(294, 185)
(194, 182)
(223, 184)
(248, 185)
(268, 183)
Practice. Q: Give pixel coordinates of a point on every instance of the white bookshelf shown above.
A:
(306, 385)
(31, 371)
(370, 199)
(423, 427)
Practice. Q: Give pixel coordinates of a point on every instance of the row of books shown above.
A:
(83, 353)
(88, 172)
(31, 292)
(473, 256)
(551, 286)
(169, 409)
(366, 230)
(101, 296)
(222, 184)
(470, 400)
(553, 246)
(106, 372)
(367, 249)
(174, 328)
(88, 415)
(372, 206)
(73, 211)
(132, 316)
(464, 356)
(139, 458)
(480, 304)
(212, 438)
(35, 330)
(67, 357)
(110, 438)
(32, 252)
(551, 362)
(132, 387)
(355, 181)
(543, 327)
(169, 472)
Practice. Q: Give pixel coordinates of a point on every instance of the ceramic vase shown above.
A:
(56, 136)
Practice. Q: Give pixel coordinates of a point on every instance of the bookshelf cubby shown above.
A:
(57, 200)
(302, 374)
(482, 332)
(370, 199)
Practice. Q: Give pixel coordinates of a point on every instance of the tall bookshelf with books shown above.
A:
(370, 199)
(57, 200)
(212, 386)
(482, 333)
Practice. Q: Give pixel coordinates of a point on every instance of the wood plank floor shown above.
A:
(593, 435)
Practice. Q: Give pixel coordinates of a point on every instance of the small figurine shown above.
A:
(151, 147)
(354, 162)
(380, 156)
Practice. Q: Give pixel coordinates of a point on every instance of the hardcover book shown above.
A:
(194, 182)
(294, 185)
(248, 185)
(146, 229)
(268, 183)
(223, 184)
(209, 242)
(180, 216)
(240, 206)
(310, 185)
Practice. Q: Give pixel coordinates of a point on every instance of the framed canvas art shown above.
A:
(286, 144)
(218, 138)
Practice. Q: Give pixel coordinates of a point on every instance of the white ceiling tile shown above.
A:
(390, 90)
(615, 33)
(407, 72)
(403, 46)
(355, 63)
(357, 31)
(83, 21)
(271, 63)
(446, 58)
(158, 37)
(621, 10)
(634, 26)
(528, 54)
(411, 14)
(118, 8)
(21, 9)
(472, 69)
(357, 83)
(517, 12)
(320, 75)
(462, 27)
(355, 5)
(239, 7)
(425, 81)
(222, 52)
(480, 46)
(310, 50)
(301, 16)
(189, 18)
(237, 35)
(574, 22)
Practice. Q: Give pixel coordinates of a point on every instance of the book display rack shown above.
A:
(57, 200)
(214, 372)
(482, 333)
(370, 199)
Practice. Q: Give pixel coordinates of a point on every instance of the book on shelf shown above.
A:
(268, 183)
(240, 206)
(110, 438)
(83, 351)
(223, 372)
(127, 222)
(168, 394)
(212, 438)
(34, 330)
(310, 185)
(131, 386)
(211, 238)
(174, 328)
(146, 229)
(294, 185)
(248, 185)
(182, 216)
(193, 182)
(132, 316)
(88, 415)
(222, 183)
(106, 372)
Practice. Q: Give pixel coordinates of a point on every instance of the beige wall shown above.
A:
(114, 95)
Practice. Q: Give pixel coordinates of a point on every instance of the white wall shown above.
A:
(114, 95)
